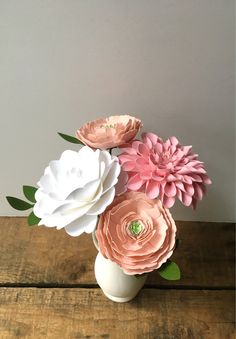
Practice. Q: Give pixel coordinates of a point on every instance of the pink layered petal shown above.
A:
(152, 189)
(179, 194)
(158, 147)
(199, 170)
(135, 183)
(184, 170)
(146, 175)
(128, 150)
(189, 189)
(206, 180)
(187, 179)
(196, 177)
(198, 194)
(147, 141)
(167, 145)
(186, 199)
(152, 137)
(175, 168)
(142, 162)
(174, 141)
(170, 189)
(168, 202)
(186, 149)
(143, 150)
(180, 185)
(127, 157)
(171, 177)
(136, 144)
(128, 166)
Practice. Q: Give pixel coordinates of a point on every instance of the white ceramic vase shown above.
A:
(115, 284)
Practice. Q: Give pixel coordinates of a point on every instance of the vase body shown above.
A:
(115, 284)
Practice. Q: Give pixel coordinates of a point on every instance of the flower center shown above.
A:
(108, 126)
(166, 156)
(136, 227)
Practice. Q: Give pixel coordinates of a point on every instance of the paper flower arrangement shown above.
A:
(124, 200)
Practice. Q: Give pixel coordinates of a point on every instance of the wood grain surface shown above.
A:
(48, 288)
(39, 255)
(85, 313)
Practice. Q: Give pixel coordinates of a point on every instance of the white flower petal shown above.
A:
(55, 168)
(91, 225)
(69, 156)
(104, 160)
(112, 176)
(87, 224)
(47, 183)
(45, 204)
(105, 200)
(64, 215)
(88, 192)
(89, 163)
(78, 185)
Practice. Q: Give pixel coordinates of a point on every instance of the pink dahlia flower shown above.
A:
(137, 233)
(164, 169)
(109, 132)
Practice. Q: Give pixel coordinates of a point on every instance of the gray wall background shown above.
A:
(168, 62)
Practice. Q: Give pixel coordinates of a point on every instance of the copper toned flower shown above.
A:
(136, 232)
(109, 132)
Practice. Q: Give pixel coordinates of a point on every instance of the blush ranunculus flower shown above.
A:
(136, 232)
(164, 169)
(109, 132)
(75, 189)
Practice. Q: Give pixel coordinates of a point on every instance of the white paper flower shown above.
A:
(75, 189)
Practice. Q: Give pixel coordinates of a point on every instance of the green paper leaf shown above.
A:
(170, 271)
(29, 192)
(19, 204)
(71, 139)
(33, 219)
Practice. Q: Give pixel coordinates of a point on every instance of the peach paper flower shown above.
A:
(137, 233)
(164, 169)
(109, 132)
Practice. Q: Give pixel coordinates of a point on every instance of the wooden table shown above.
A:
(48, 288)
